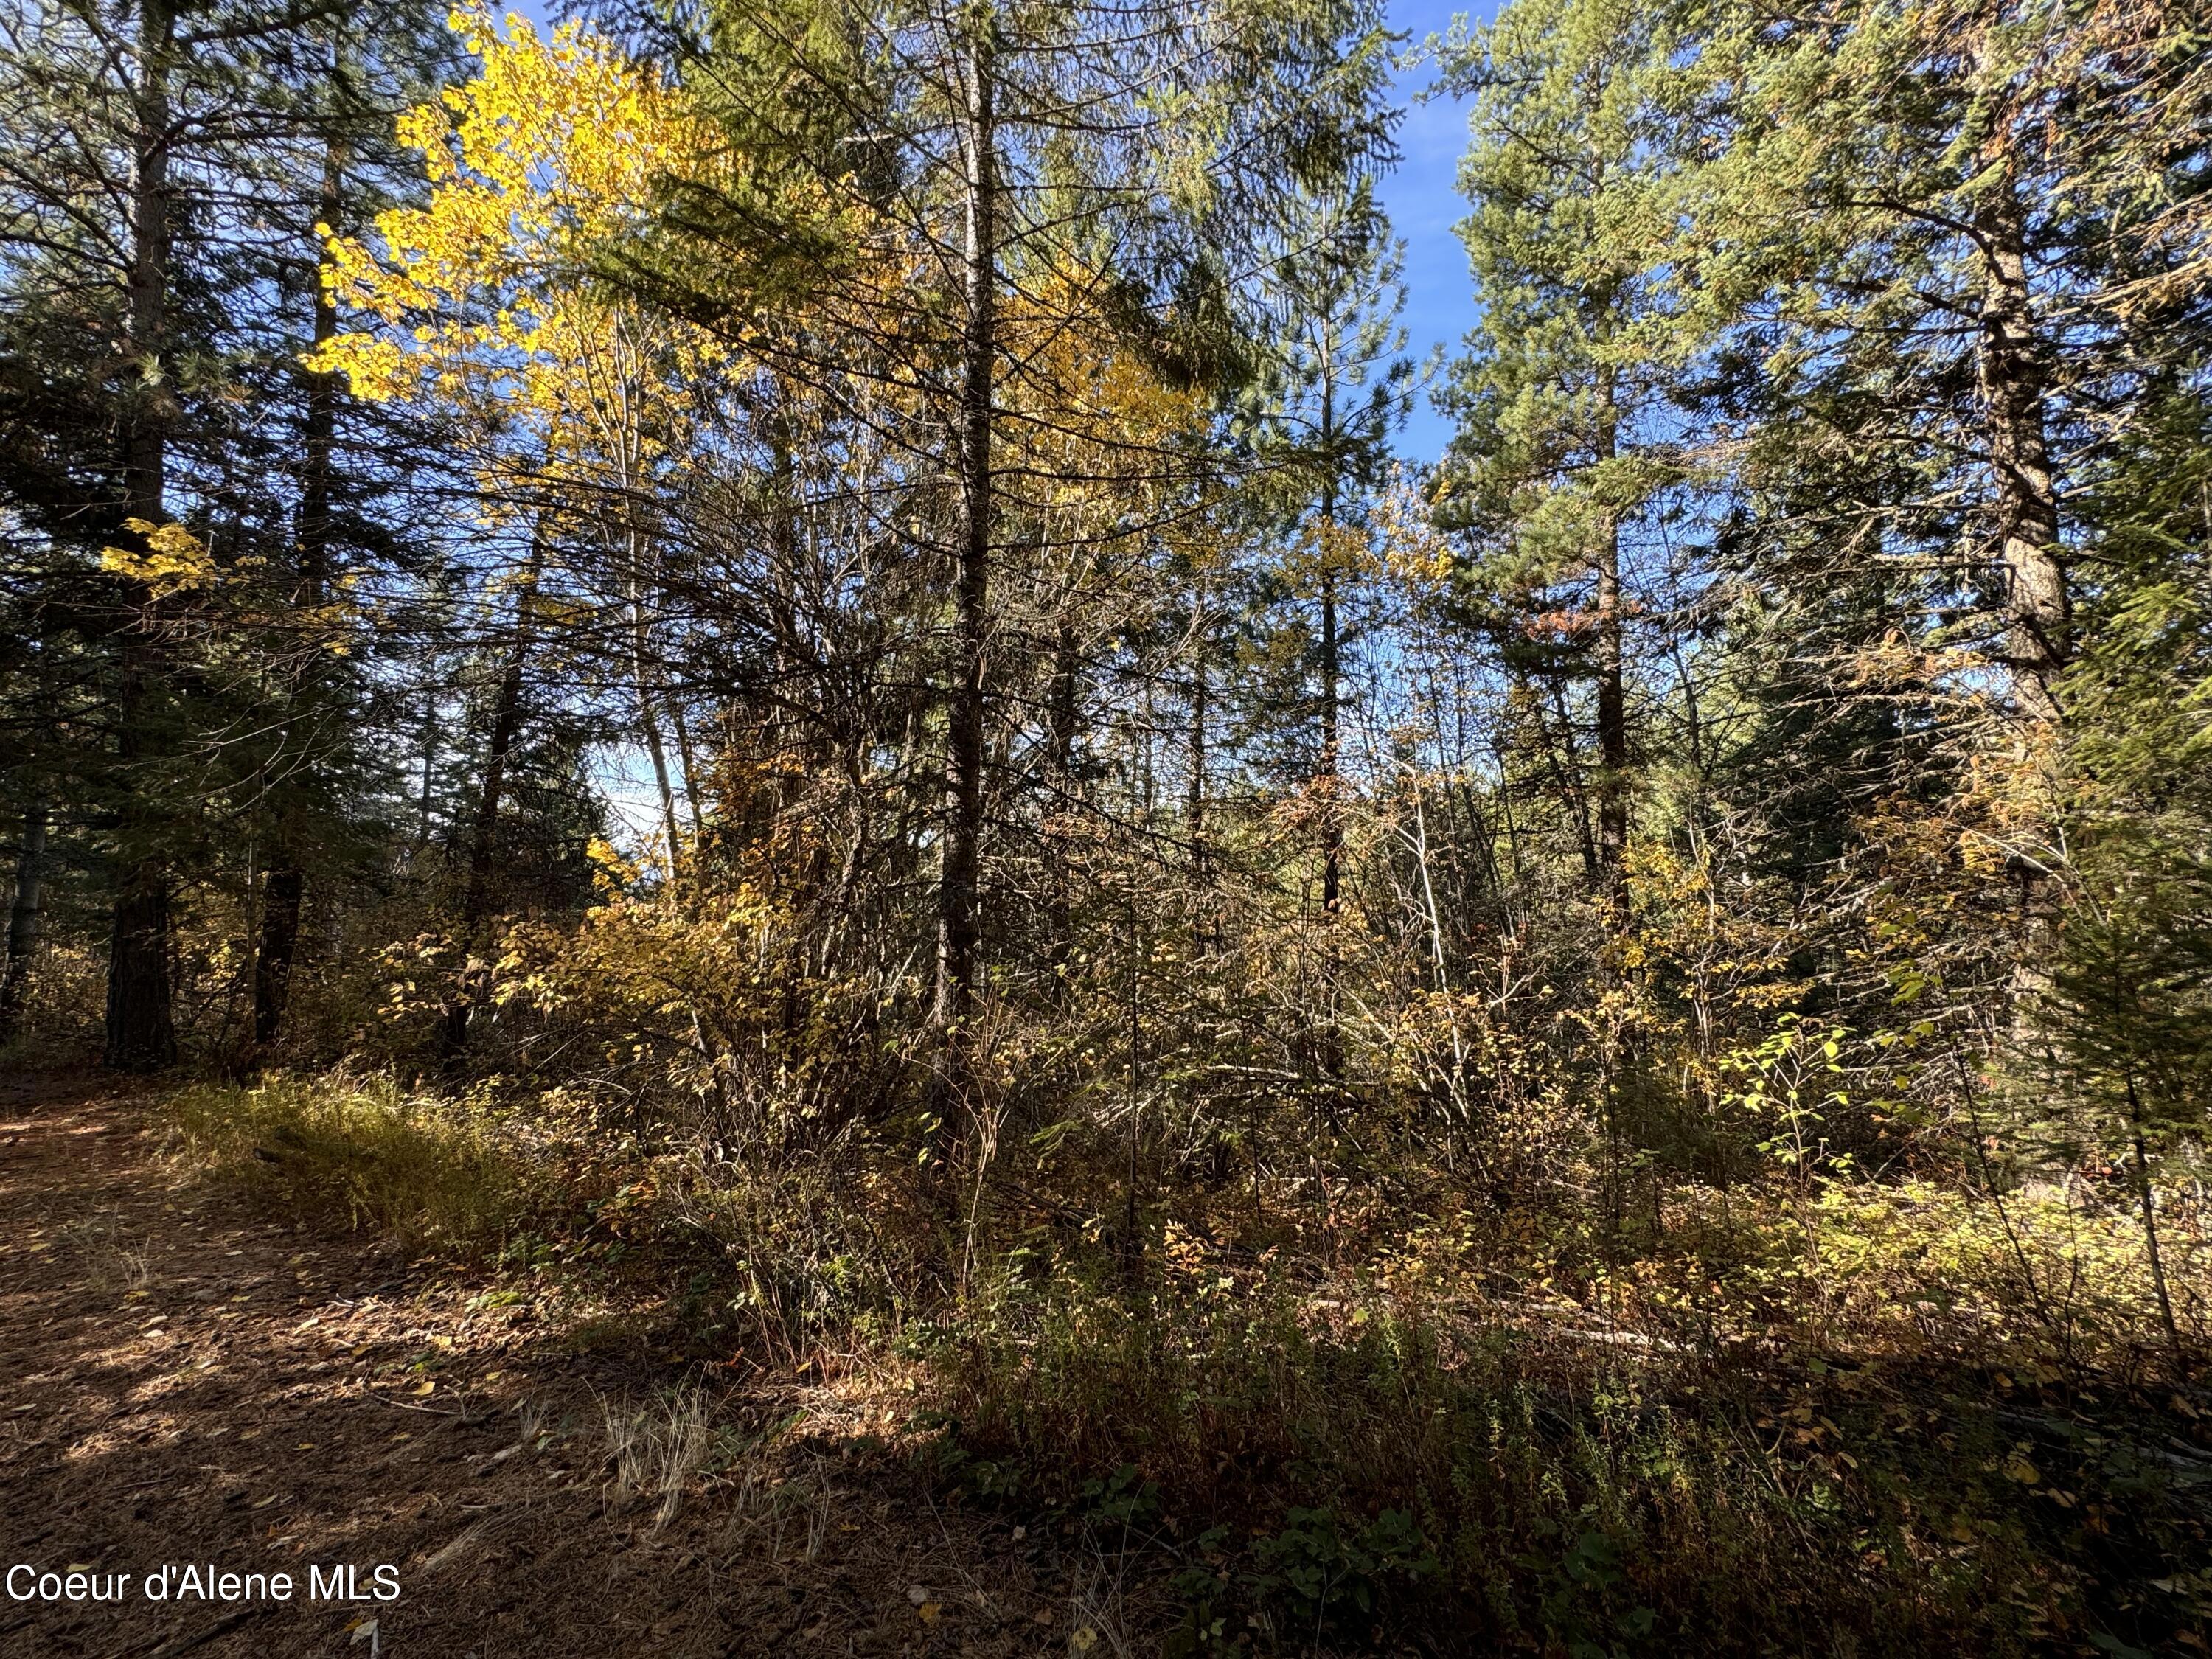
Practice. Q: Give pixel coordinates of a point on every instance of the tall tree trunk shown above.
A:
(483, 838)
(23, 917)
(141, 1032)
(2038, 606)
(649, 720)
(689, 766)
(1332, 705)
(427, 735)
(959, 932)
(285, 888)
(1201, 711)
(1061, 718)
(2147, 1200)
(1332, 821)
(1611, 689)
(657, 751)
(1612, 717)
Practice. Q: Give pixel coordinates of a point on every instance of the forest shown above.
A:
(764, 830)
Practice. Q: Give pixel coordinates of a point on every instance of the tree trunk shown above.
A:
(23, 918)
(282, 893)
(2036, 604)
(689, 766)
(1612, 691)
(140, 1035)
(2145, 1197)
(427, 734)
(648, 721)
(1332, 825)
(1331, 822)
(483, 838)
(1062, 716)
(1200, 696)
(284, 889)
(657, 751)
(959, 934)
(1612, 719)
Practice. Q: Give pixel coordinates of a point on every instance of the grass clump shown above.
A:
(422, 1169)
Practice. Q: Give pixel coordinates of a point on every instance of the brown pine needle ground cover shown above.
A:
(184, 1380)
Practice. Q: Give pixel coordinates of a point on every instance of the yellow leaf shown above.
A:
(173, 558)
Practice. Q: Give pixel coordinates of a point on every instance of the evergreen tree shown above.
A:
(1570, 441)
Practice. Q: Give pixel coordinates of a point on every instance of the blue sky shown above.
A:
(1422, 206)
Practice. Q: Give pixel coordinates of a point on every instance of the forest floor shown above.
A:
(182, 1381)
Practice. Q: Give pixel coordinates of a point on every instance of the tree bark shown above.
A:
(2038, 607)
(2146, 1198)
(483, 838)
(283, 892)
(284, 889)
(23, 918)
(1200, 712)
(1612, 717)
(657, 751)
(959, 933)
(141, 1032)
(649, 715)
(1061, 715)
(1332, 709)
(1611, 689)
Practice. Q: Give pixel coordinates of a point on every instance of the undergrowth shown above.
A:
(1326, 1476)
(1383, 1451)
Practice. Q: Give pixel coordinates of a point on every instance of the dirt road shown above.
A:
(185, 1383)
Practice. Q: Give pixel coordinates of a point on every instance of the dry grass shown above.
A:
(422, 1169)
(106, 1255)
(657, 1450)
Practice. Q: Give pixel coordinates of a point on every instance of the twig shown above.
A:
(404, 1405)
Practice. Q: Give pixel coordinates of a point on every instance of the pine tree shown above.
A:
(1568, 442)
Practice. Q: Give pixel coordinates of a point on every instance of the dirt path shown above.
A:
(182, 1382)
